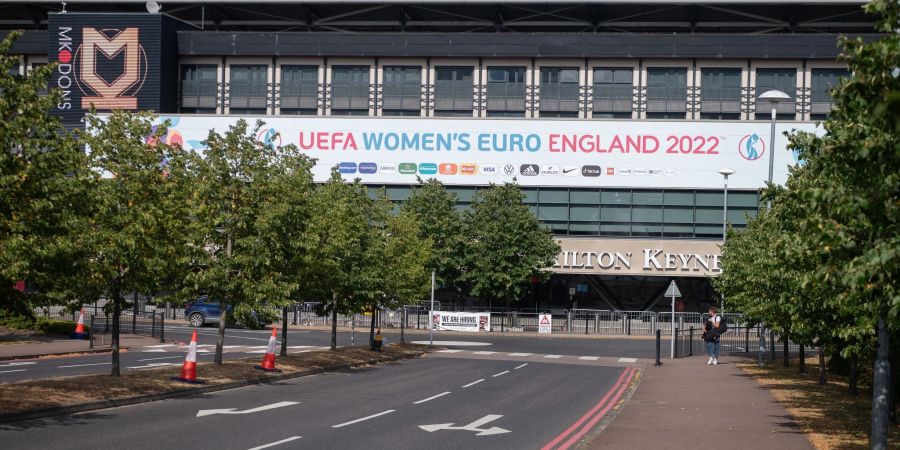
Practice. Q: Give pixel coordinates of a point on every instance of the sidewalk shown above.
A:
(34, 349)
(686, 404)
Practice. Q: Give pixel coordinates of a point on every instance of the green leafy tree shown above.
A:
(337, 238)
(136, 208)
(234, 255)
(507, 245)
(44, 180)
(441, 222)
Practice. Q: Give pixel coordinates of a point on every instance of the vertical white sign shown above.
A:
(545, 323)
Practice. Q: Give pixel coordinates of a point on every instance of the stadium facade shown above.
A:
(615, 117)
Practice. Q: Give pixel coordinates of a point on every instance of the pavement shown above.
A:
(67, 346)
(687, 404)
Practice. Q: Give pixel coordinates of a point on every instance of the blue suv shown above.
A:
(203, 311)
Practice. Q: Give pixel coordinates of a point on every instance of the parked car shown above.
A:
(204, 311)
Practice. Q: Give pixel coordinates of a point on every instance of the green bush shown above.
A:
(16, 319)
(57, 327)
(253, 318)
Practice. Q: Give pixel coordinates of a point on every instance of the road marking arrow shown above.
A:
(470, 427)
(209, 412)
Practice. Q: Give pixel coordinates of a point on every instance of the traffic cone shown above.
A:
(268, 362)
(189, 369)
(79, 328)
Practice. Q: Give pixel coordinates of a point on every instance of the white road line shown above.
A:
(553, 356)
(364, 418)
(164, 357)
(629, 360)
(292, 438)
(18, 370)
(156, 350)
(483, 353)
(431, 398)
(520, 366)
(474, 383)
(83, 365)
(160, 346)
(151, 365)
(449, 351)
(589, 358)
(14, 364)
(521, 354)
(498, 374)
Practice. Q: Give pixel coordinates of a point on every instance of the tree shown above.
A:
(137, 208)
(234, 182)
(507, 245)
(441, 222)
(44, 180)
(337, 236)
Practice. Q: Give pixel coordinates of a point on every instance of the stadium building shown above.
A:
(616, 117)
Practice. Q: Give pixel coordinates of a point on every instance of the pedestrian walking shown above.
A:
(712, 330)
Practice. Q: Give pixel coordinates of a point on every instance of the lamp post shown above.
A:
(773, 97)
(725, 172)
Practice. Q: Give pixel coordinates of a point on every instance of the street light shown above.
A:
(724, 172)
(774, 98)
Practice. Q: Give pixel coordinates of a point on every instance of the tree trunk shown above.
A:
(372, 329)
(334, 305)
(284, 320)
(801, 362)
(117, 309)
(220, 338)
(853, 376)
(787, 352)
(878, 439)
(822, 379)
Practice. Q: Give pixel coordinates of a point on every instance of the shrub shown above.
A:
(17, 319)
(57, 327)
(253, 318)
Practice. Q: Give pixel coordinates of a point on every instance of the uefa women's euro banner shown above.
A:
(538, 152)
(461, 321)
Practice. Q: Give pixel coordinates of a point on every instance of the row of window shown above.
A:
(623, 212)
(505, 91)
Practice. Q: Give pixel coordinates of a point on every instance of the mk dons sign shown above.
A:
(112, 61)
(638, 257)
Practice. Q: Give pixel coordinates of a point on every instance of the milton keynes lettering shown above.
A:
(653, 260)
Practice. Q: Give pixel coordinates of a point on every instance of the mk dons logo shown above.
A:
(110, 68)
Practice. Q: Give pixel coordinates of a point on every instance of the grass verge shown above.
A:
(829, 416)
(34, 395)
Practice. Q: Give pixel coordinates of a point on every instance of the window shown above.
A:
(666, 92)
(453, 91)
(559, 92)
(299, 90)
(199, 88)
(720, 93)
(823, 81)
(248, 89)
(784, 80)
(350, 90)
(612, 92)
(506, 92)
(401, 90)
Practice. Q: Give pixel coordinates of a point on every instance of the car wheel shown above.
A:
(197, 320)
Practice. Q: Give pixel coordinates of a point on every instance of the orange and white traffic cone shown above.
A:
(189, 369)
(79, 328)
(268, 362)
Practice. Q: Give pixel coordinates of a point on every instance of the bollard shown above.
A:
(675, 346)
(162, 327)
(596, 322)
(691, 336)
(569, 321)
(658, 334)
(772, 346)
(747, 339)
(91, 334)
(403, 326)
(153, 325)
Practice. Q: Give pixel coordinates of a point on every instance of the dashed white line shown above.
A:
(483, 353)
(449, 351)
(553, 356)
(520, 366)
(431, 398)
(501, 373)
(521, 354)
(151, 365)
(292, 438)
(164, 357)
(474, 383)
(17, 370)
(589, 358)
(628, 360)
(362, 419)
(13, 364)
(83, 365)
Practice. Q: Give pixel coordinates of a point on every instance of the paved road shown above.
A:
(251, 343)
(436, 402)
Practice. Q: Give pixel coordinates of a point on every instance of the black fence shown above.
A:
(142, 324)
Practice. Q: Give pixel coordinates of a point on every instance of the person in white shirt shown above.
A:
(711, 335)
